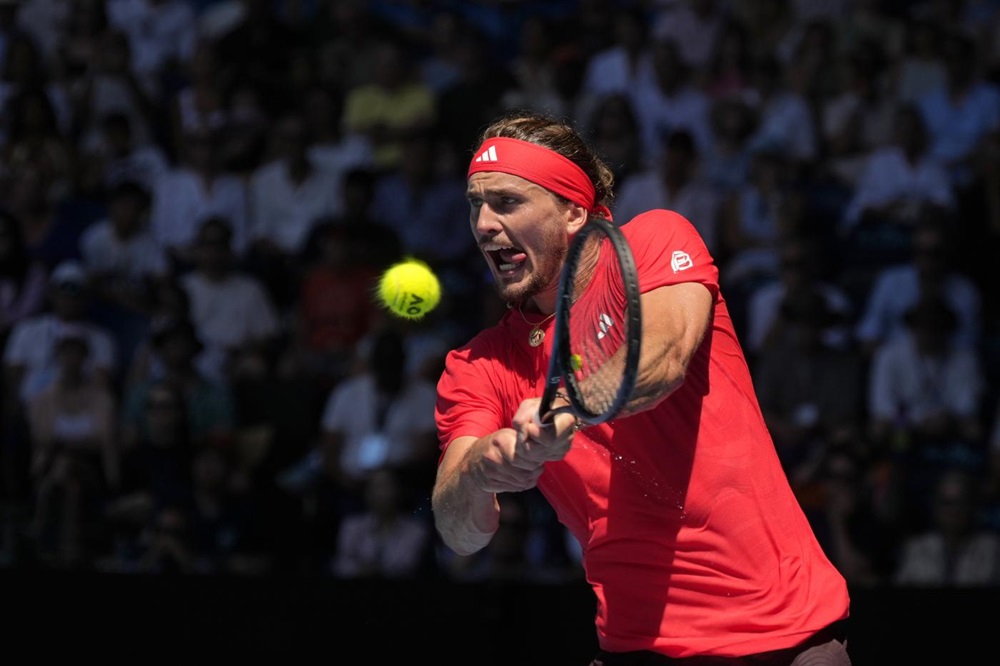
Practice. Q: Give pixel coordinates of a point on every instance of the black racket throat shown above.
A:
(598, 326)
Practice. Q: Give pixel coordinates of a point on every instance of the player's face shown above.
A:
(523, 231)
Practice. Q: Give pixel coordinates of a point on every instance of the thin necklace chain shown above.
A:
(536, 335)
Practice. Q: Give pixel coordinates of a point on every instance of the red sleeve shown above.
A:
(669, 250)
(475, 391)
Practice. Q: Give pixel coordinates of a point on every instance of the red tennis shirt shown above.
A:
(691, 536)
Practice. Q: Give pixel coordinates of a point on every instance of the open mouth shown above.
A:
(506, 258)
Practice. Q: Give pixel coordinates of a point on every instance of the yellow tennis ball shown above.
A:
(409, 289)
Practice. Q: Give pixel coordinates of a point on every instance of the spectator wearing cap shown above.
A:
(29, 360)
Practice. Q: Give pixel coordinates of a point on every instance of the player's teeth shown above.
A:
(507, 267)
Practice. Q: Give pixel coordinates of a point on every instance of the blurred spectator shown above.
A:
(287, 197)
(208, 406)
(156, 466)
(346, 39)
(726, 164)
(34, 141)
(674, 183)
(867, 22)
(166, 545)
(335, 307)
(231, 311)
(801, 271)
(954, 551)
(859, 117)
(425, 205)
(110, 83)
(728, 73)
(391, 107)
(374, 242)
(920, 67)
(328, 146)
(532, 66)
(29, 358)
(199, 102)
(122, 159)
(198, 188)
(226, 523)
(694, 25)
(787, 124)
(380, 415)
(75, 461)
(669, 103)
(839, 501)
(440, 65)
(467, 105)
(22, 278)
(255, 52)
(962, 111)
(755, 218)
(384, 539)
(24, 68)
(811, 393)
(926, 393)
(625, 64)
(161, 32)
(122, 262)
(900, 180)
(119, 255)
(930, 270)
(613, 129)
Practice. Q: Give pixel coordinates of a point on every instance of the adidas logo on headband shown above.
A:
(488, 155)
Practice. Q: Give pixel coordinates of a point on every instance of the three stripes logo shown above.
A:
(488, 155)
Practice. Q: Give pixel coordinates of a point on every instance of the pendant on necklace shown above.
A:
(536, 336)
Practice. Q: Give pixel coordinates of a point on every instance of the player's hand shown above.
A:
(546, 441)
(501, 463)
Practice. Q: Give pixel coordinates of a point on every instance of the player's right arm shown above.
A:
(472, 472)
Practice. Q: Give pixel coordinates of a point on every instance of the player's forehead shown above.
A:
(496, 183)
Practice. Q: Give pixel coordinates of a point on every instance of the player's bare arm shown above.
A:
(473, 471)
(676, 319)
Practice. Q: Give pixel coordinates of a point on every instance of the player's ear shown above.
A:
(576, 217)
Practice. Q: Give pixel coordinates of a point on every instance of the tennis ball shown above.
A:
(409, 289)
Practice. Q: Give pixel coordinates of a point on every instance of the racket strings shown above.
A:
(598, 337)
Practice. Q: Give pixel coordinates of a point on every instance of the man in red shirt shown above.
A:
(692, 539)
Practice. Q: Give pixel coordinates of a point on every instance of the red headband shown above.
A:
(541, 166)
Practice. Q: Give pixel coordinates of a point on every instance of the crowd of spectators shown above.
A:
(197, 198)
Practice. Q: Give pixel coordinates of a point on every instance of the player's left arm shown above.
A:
(675, 319)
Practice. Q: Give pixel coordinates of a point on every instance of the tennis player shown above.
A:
(691, 537)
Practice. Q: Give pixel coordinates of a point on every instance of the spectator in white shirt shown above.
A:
(231, 310)
(694, 25)
(674, 184)
(289, 193)
(120, 256)
(29, 362)
(161, 32)
(786, 120)
(671, 101)
(896, 288)
(123, 158)
(193, 191)
(901, 179)
(923, 389)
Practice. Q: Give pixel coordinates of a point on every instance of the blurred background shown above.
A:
(210, 432)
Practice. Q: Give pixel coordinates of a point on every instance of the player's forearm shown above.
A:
(465, 516)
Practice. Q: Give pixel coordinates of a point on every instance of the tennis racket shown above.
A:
(598, 326)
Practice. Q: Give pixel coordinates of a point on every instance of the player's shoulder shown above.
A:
(656, 222)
